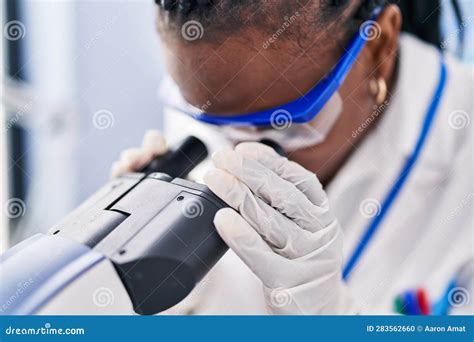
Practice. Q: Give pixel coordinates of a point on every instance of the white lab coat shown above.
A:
(428, 233)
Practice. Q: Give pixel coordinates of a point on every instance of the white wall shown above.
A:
(83, 57)
(118, 70)
(4, 233)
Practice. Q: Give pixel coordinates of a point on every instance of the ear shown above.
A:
(384, 48)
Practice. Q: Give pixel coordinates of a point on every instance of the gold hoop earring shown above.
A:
(378, 88)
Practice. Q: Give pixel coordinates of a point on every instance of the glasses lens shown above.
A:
(290, 135)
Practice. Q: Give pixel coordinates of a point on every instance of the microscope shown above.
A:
(154, 227)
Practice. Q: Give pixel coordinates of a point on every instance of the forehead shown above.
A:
(250, 72)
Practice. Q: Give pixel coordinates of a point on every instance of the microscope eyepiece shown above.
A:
(179, 162)
(276, 146)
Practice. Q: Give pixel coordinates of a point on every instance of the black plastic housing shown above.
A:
(179, 162)
(176, 245)
(157, 230)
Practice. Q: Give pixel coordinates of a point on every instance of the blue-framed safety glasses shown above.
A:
(303, 109)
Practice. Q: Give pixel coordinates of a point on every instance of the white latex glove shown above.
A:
(134, 159)
(283, 230)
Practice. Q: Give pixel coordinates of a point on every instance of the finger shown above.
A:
(274, 190)
(284, 236)
(306, 181)
(134, 158)
(247, 244)
(154, 143)
(273, 269)
(118, 169)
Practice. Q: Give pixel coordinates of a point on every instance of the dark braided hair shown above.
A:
(421, 17)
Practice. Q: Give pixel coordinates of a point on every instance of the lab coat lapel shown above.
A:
(361, 186)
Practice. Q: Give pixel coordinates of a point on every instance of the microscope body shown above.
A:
(156, 229)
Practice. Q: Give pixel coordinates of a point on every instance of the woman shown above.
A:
(390, 147)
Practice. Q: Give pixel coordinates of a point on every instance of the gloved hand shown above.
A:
(283, 230)
(134, 159)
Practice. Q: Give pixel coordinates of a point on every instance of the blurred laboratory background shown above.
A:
(78, 85)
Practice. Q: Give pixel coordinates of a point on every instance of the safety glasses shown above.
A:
(299, 111)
